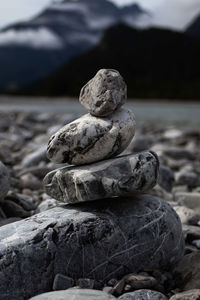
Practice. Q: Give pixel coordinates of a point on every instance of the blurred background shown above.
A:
(51, 48)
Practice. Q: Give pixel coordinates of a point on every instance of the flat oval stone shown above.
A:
(143, 295)
(75, 294)
(104, 93)
(97, 240)
(90, 139)
(120, 176)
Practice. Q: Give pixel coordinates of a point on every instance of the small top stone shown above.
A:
(104, 93)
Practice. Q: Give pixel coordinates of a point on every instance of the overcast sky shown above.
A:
(170, 13)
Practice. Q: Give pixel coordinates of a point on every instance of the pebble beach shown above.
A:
(23, 142)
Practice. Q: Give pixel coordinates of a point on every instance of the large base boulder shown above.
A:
(99, 240)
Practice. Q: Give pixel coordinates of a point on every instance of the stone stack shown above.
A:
(121, 231)
(92, 143)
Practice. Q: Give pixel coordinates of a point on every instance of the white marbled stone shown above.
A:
(104, 93)
(121, 176)
(90, 139)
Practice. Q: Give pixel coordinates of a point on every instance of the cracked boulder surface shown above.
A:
(90, 139)
(104, 93)
(120, 176)
(98, 240)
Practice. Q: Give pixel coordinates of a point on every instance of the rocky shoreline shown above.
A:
(118, 234)
(23, 140)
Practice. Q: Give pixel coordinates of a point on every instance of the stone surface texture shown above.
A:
(4, 181)
(166, 178)
(188, 295)
(138, 282)
(75, 294)
(190, 200)
(143, 295)
(89, 139)
(104, 93)
(187, 272)
(120, 176)
(98, 240)
(62, 282)
(187, 215)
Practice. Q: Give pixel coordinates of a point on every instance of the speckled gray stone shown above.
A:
(75, 294)
(104, 93)
(4, 181)
(120, 176)
(98, 240)
(143, 295)
(90, 139)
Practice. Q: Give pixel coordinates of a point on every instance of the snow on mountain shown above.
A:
(64, 30)
(41, 38)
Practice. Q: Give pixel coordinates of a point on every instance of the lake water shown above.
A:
(172, 112)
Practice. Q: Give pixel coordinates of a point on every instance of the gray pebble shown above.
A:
(196, 243)
(62, 282)
(190, 179)
(187, 215)
(137, 281)
(12, 209)
(31, 182)
(46, 204)
(35, 157)
(190, 200)
(85, 283)
(104, 93)
(187, 295)
(178, 153)
(166, 178)
(187, 272)
(4, 181)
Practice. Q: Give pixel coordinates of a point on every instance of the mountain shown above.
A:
(155, 63)
(33, 49)
(194, 28)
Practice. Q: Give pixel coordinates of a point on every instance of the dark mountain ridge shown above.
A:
(194, 28)
(155, 63)
(33, 49)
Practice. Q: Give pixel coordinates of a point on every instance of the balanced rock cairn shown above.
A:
(92, 142)
(122, 231)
